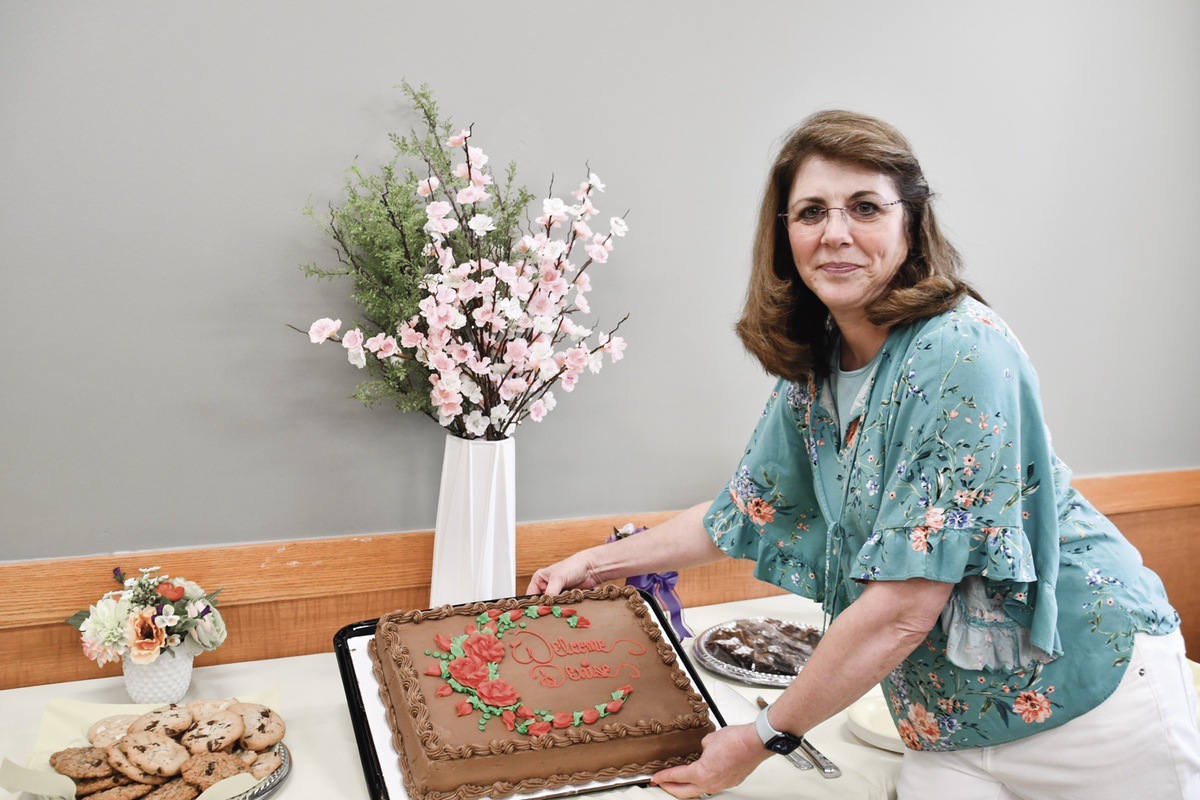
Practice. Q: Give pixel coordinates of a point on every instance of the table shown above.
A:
(325, 756)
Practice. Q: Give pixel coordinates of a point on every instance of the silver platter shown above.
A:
(270, 783)
(705, 651)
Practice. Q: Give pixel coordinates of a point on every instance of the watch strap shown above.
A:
(780, 742)
(762, 726)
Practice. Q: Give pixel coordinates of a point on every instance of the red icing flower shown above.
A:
(569, 612)
(434, 669)
(170, 591)
(524, 711)
(444, 690)
(590, 716)
(468, 671)
(538, 728)
(583, 623)
(494, 612)
(543, 610)
(443, 642)
(463, 708)
(509, 719)
(614, 706)
(628, 690)
(484, 648)
(497, 693)
(564, 719)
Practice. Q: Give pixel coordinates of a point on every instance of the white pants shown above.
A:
(1141, 743)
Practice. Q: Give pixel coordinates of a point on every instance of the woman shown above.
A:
(902, 476)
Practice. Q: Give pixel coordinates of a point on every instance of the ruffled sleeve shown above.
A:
(768, 512)
(969, 491)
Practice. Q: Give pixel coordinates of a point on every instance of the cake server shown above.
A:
(828, 768)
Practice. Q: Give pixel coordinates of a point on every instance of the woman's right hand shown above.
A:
(679, 543)
(573, 572)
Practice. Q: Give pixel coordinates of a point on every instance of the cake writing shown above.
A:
(469, 664)
(532, 648)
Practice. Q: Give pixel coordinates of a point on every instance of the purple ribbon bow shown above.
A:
(659, 585)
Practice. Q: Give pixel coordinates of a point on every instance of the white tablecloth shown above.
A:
(325, 757)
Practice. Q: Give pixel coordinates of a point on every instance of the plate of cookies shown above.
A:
(180, 752)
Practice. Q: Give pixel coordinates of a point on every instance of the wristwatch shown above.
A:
(775, 741)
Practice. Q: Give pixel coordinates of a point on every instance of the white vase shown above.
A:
(163, 680)
(475, 538)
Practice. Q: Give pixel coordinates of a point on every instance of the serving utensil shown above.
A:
(814, 756)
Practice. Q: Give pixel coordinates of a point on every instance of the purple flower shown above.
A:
(958, 519)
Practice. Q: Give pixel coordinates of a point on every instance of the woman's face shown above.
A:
(846, 262)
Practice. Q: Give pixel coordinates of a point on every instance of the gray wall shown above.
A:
(155, 158)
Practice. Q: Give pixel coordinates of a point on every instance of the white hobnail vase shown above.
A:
(163, 680)
(475, 538)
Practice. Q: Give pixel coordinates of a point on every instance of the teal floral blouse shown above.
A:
(947, 473)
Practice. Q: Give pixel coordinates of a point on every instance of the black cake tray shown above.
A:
(379, 760)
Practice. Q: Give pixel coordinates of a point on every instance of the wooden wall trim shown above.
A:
(290, 598)
(1144, 491)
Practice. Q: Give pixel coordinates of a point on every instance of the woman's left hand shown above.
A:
(730, 755)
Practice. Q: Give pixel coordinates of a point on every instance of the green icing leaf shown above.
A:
(578, 719)
(573, 621)
(556, 611)
(531, 612)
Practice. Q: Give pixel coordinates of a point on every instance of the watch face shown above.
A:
(782, 744)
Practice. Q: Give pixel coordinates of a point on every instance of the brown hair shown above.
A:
(783, 324)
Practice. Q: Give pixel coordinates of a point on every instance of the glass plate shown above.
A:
(270, 783)
(759, 650)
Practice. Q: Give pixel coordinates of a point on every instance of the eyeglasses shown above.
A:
(810, 220)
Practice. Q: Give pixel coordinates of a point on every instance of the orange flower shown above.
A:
(145, 638)
(760, 512)
(923, 722)
(920, 539)
(935, 518)
(909, 734)
(1032, 706)
(170, 591)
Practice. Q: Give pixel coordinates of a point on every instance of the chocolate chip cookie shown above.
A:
(178, 789)
(171, 720)
(129, 791)
(215, 732)
(205, 769)
(121, 763)
(154, 753)
(81, 762)
(108, 730)
(264, 728)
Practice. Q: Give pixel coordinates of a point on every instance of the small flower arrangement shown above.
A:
(151, 614)
(470, 307)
